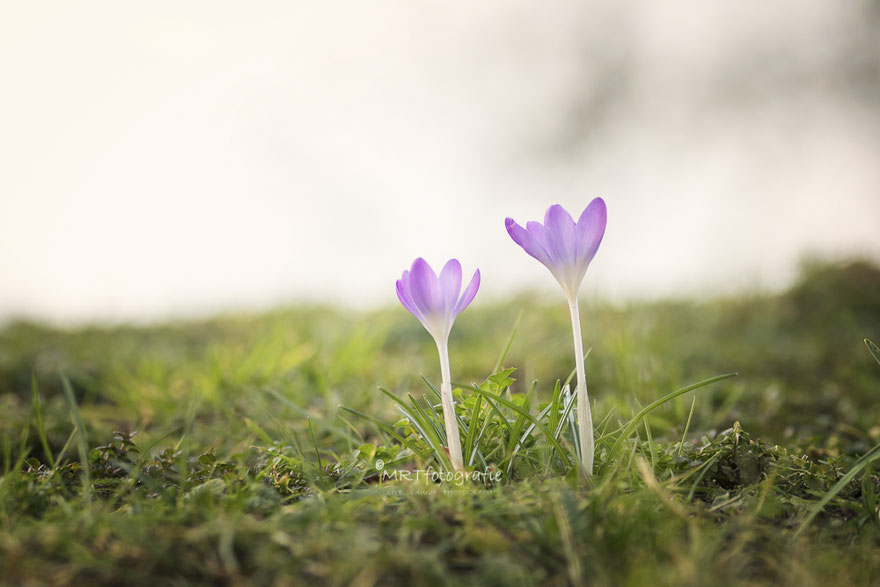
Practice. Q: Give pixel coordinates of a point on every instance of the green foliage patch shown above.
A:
(261, 450)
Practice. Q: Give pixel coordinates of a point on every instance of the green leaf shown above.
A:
(501, 380)
(873, 349)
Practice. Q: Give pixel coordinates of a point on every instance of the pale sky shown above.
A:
(169, 159)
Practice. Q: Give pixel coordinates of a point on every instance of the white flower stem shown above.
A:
(584, 413)
(452, 437)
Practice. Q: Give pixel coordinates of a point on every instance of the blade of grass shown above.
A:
(869, 497)
(541, 415)
(38, 418)
(569, 417)
(469, 446)
(65, 448)
(23, 449)
(603, 425)
(555, 402)
(631, 425)
(434, 418)
(352, 428)
(510, 338)
(479, 438)
(873, 349)
(704, 468)
(687, 425)
(314, 440)
(520, 421)
(257, 430)
(82, 443)
(189, 419)
(651, 447)
(517, 438)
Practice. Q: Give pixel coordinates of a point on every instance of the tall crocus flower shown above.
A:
(566, 248)
(435, 302)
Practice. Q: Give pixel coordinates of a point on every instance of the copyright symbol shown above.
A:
(380, 464)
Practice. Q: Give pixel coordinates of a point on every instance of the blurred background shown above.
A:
(170, 160)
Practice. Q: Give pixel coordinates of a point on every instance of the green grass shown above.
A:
(258, 449)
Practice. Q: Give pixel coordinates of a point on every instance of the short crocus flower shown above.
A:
(435, 302)
(566, 248)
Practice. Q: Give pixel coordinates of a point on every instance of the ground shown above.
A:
(245, 449)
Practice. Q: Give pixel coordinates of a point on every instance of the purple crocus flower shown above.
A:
(566, 248)
(435, 302)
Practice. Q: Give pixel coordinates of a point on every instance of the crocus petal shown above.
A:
(406, 279)
(555, 264)
(403, 296)
(450, 284)
(469, 292)
(590, 230)
(424, 288)
(561, 237)
(528, 240)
